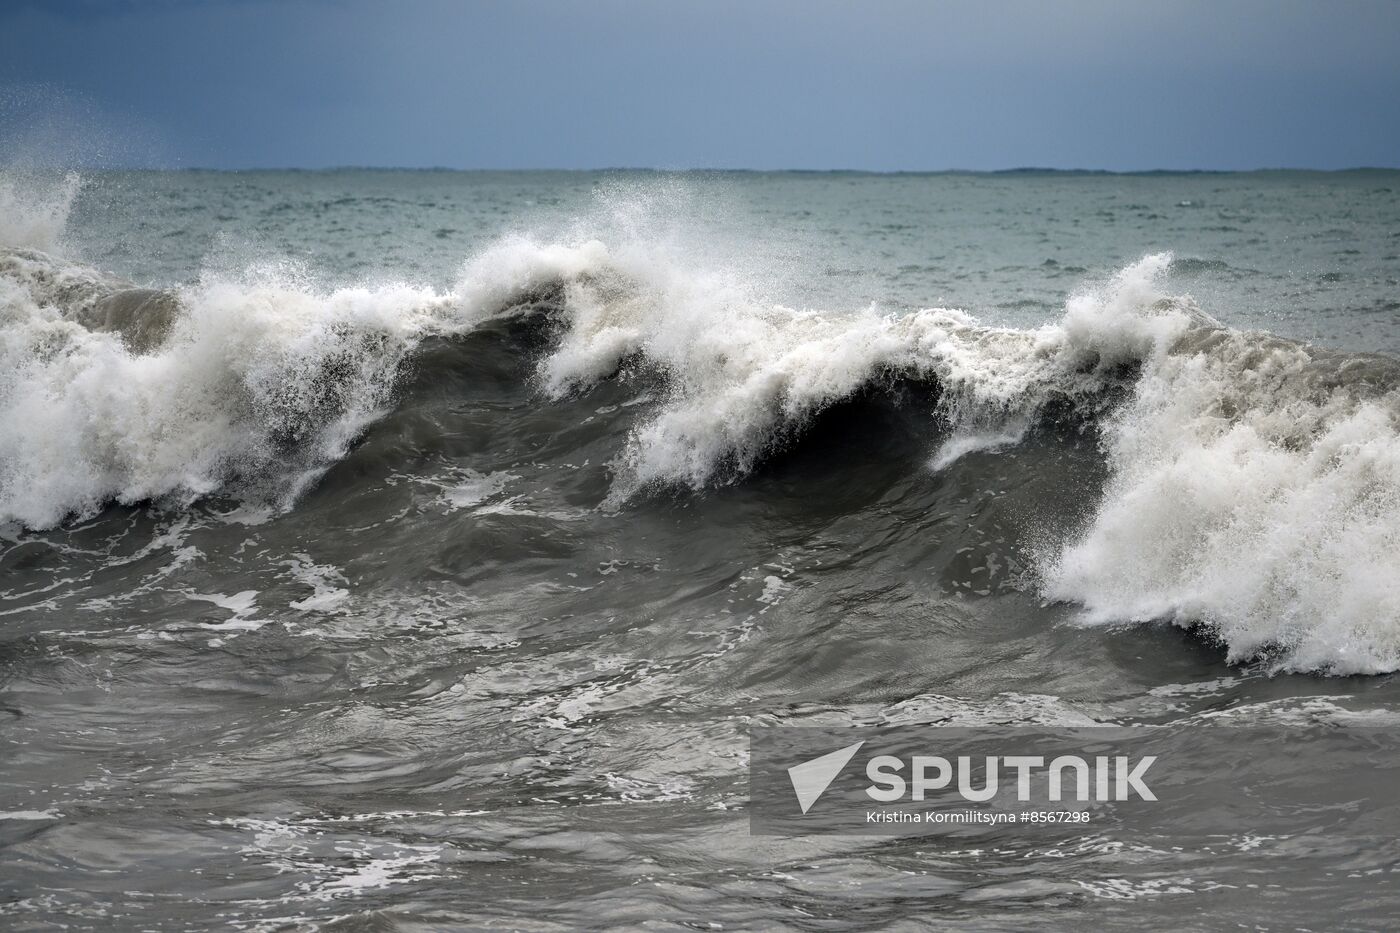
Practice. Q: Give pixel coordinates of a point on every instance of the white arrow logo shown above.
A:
(811, 778)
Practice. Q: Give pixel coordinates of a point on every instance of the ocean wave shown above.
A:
(1254, 489)
(1254, 482)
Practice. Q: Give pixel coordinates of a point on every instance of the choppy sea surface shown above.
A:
(414, 550)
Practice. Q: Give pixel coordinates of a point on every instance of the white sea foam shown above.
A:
(975, 442)
(30, 815)
(1253, 491)
(250, 378)
(328, 591)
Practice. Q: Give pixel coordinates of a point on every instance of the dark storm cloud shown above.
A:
(785, 84)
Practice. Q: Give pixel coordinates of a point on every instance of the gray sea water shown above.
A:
(414, 550)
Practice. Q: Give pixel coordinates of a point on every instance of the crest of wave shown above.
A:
(249, 378)
(1255, 489)
(250, 384)
(744, 375)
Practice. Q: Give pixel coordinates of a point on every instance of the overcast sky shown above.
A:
(877, 84)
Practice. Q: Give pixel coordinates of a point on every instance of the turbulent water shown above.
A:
(415, 549)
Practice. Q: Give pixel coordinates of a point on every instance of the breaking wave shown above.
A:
(1254, 482)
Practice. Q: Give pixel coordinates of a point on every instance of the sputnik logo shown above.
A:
(811, 778)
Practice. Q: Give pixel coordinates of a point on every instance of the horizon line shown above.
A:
(1016, 170)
